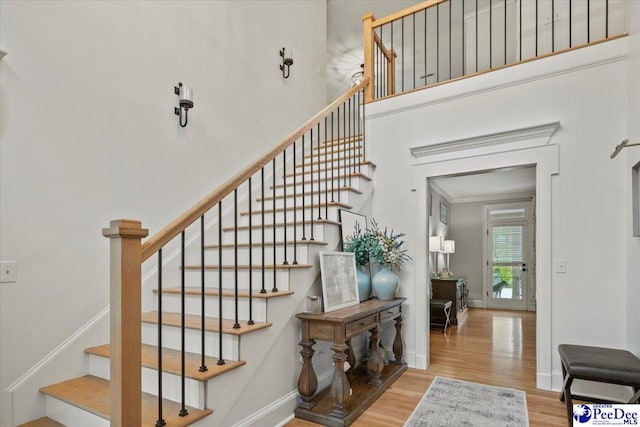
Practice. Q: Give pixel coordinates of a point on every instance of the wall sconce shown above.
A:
(286, 64)
(186, 102)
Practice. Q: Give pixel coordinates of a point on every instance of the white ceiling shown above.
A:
(487, 185)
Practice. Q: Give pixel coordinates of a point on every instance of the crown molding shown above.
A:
(533, 135)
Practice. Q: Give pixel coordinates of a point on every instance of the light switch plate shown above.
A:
(561, 266)
(8, 271)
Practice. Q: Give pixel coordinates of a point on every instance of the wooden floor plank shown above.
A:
(494, 347)
(172, 361)
(42, 422)
(92, 394)
(210, 323)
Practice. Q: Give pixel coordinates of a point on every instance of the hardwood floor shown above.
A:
(495, 347)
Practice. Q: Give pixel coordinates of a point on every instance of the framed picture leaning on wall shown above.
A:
(339, 282)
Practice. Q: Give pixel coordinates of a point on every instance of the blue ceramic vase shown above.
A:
(364, 284)
(385, 284)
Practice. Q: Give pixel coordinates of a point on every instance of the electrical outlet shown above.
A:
(8, 271)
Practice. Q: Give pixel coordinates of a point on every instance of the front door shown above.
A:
(507, 266)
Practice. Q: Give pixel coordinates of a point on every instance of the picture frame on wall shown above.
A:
(339, 281)
(444, 213)
(430, 207)
(348, 222)
(635, 194)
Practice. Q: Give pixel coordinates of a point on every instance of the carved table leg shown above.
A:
(307, 382)
(375, 365)
(351, 358)
(339, 383)
(397, 342)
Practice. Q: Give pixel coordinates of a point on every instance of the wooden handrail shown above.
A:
(165, 235)
(406, 12)
(390, 55)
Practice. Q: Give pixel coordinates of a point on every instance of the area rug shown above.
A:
(450, 402)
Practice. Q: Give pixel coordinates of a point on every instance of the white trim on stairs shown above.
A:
(269, 409)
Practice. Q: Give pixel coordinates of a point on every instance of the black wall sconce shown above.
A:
(185, 103)
(286, 65)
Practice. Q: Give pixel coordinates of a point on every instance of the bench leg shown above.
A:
(636, 397)
(566, 396)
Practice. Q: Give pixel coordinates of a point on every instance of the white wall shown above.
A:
(466, 231)
(632, 156)
(88, 134)
(585, 307)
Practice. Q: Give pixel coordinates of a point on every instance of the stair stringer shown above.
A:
(239, 397)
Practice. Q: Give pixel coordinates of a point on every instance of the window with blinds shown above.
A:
(508, 244)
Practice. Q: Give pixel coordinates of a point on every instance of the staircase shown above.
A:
(270, 254)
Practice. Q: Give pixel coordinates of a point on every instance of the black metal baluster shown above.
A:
(284, 207)
(295, 209)
(386, 91)
(311, 194)
(364, 139)
(414, 49)
(520, 40)
(262, 290)
(505, 32)
(183, 410)
(536, 28)
(490, 34)
(476, 36)
(606, 18)
(553, 26)
(203, 365)
(326, 205)
(394, 80)
(333, 158)
(236, 324)
(275, 288)
(402, 50)
(352, 151)
(377, 67)
(250, 322)
(588, 21)
(220, 358)
(304, 224)
(426, 73)
(326, 183)
(464, 71)
(160, 422)
(570, 22)
(438, 42)
(450, 63)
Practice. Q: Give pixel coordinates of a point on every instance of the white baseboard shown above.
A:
(475, 303)
(281, 409)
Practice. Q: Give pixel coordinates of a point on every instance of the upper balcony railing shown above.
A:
(442, 40)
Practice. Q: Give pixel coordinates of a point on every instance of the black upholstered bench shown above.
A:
(440, 313)
(600, 364)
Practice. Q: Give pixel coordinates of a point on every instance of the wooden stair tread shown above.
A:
(307, 193)
(282, 224)
(42, 422)
(290, 208)
(171, 361)
(278, 243)
(325, 169)
(307, 181)
(192, 321)
(334, 159)
(330, 149)
(253, 267)
(92, 394)
(226, 292)
(339, 141)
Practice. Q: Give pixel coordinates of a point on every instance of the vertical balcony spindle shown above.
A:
(250, 322)
(304, 224)
(284, 209)
(160, 422)
(275, 288)
(203, 365)
(220, 358)
(311, 193)
(263, 290)
(236, 324)
(295, 207)
(325, 154)
(333, 158)
(183, 410)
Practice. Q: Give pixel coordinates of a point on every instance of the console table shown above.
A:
(454, 290)
(351, 393)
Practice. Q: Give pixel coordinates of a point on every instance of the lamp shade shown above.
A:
(449, 247)
(436, 243)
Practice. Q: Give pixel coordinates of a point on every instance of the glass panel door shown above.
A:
(507, 265)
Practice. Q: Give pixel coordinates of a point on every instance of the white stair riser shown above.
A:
(309, 199)
(171, 384)
(171, 339)
(228, 256)
(192, 277)
(331, 214)
(256, 233)
(335, 160)
(357, 147)
(355, 182)
(70, 415)
(172, 303)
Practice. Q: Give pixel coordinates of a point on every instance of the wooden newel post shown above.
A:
(367, 20)
(125, 308)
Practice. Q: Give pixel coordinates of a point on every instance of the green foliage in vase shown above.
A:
(377, 246)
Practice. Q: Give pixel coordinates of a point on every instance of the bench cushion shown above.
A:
(600, 364)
